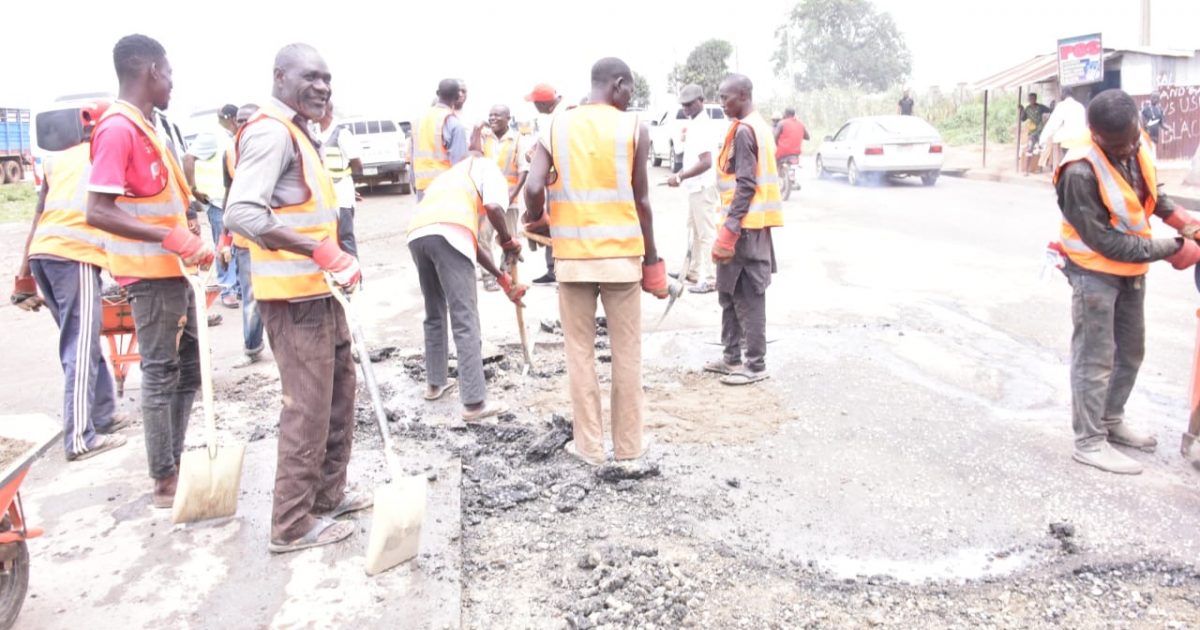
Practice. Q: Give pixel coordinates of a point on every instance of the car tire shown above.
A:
(13, 172)
(821, 172)
(853, 176)
(675, 160)
(654, 159)
(929, 178)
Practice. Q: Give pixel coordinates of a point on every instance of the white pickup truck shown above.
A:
(666, 134)
(384, 145)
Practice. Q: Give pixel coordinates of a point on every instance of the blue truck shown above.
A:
(16, 153)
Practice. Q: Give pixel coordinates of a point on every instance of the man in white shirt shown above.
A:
(505, 146)
(342, 156)
(701, 142)
(442, 238)
(1067, 126)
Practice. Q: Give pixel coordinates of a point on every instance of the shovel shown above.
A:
(399, 505)
(209, 478)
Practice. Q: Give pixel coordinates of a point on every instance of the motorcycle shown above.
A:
(789, 179)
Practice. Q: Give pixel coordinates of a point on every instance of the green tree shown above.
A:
(706, 66)
(641, 92)
(841, 43)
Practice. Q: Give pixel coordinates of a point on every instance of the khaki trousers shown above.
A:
(622, 306)
(702, 229)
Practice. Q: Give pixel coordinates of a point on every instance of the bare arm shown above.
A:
(103, 213)
(535, 183)
(37, 216)
(641, 194)
(516, 190)
(495, 215)
(703, 163)
(189, 173)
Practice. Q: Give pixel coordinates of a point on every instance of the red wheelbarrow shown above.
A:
(116, 325)
(22, 439)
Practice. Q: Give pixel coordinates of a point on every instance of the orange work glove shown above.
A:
(1187, 256)
(722, 251)
(514, 291)
(180, 240)
(654, 279)
(342, 266)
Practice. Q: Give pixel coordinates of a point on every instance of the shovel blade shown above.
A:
(208, 486)
(396, 523)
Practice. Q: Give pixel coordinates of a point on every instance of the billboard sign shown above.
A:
(1080, 60)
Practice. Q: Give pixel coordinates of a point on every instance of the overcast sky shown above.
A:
(386, 57)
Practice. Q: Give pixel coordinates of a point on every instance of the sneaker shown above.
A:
(103, 443)
(570, 449)
(647, 443)
(119, 421)
(704, 286)
(215, 320)
(1122, 435)
(1108, 459)
(248, 359)
(490, 285)
(230, 301)
(721, 367)
(546, 279)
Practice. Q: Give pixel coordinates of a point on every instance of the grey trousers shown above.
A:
(744, 317)
(164, 315)
(447, 281)
(1107, 347)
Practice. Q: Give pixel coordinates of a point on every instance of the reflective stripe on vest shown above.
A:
(331, 155)
(430, 156)
(209, 178)
(452, 198)
(1127, 213)
(766, 207)
(62, 228)
(284, 275)
(143, 259)
(504, 152)
(592, 209)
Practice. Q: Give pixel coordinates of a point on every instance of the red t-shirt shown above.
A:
(791, 137)
(124, 161)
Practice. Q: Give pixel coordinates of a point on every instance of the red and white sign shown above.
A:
(1080, 60)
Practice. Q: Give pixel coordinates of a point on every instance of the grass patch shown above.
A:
(17, 202)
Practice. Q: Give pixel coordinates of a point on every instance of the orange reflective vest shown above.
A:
(452, 198)
(592, 209)
(62, 229)
(1126, 212)
(231, 167)
(284, 275)
(504, 152)
(766, 208)
(168, 208)
(430, 155)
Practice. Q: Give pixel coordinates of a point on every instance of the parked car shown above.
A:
(880, 146)
(666, 133)
(385, 148)
(58, 126)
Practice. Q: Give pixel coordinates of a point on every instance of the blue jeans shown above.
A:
(252, 323)
(227, 275)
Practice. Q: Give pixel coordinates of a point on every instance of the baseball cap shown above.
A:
(690, 92)
(542, 93)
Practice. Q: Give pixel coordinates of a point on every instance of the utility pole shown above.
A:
(1145, 34)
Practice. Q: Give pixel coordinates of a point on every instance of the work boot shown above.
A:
(1123, 435)
(1108, 459)
(548, 278)
(164, 492)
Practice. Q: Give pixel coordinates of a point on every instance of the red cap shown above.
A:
(542, 93)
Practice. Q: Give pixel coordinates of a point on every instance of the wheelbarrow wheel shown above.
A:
(14, 582)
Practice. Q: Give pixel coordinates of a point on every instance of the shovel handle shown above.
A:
(206, 384)
(358, 340)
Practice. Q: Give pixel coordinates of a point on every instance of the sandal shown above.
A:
(433, 393)
(352, 501)
(103, 443)
(119, 421)
(326, 531)
(744, 377)
(569, 449)
(489, 409)
(721, 367)
(230, 301)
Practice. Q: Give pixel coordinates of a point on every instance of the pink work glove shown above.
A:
(180, 240)
(1187, 256)
(25, 294)
(654, 279)
(514, 291)
(1183, 222)
(722, 251)
(342, 266)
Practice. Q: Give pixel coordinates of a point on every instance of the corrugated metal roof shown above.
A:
(1035, 70)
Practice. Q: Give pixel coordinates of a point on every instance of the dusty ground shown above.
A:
(907, 465)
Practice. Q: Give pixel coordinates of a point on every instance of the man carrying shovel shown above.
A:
(444, 241)
(284, 202)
